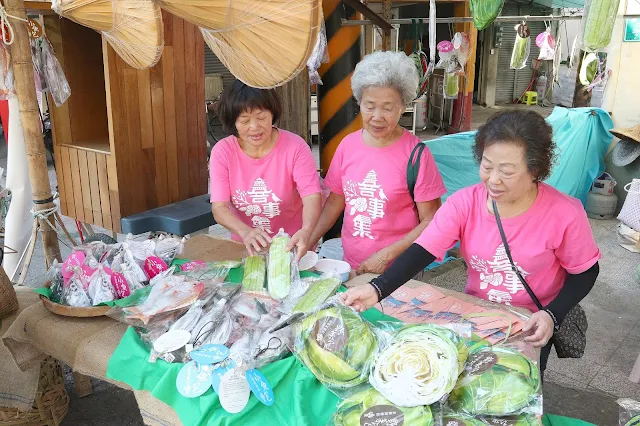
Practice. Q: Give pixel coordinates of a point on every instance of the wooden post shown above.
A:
(296, 101)
(30, 116)
(386, 15)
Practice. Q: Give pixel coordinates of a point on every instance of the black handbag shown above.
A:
(569, 337)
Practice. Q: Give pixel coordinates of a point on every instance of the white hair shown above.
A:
(386, 69)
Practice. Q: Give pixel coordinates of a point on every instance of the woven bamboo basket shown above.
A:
(8, 298)
(73, 311)
(51, 404)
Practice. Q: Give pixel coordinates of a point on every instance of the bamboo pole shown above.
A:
(30, 115)
(386, 15)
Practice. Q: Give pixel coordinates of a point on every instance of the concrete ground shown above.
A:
(586, 388)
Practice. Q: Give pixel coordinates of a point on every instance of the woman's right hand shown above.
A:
(255, 240)
(360, 297)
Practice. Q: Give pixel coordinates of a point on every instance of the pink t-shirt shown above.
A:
(267, 192)
(550, 239)
(379, 210)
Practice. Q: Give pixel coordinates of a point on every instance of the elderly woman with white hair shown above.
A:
(368, 174)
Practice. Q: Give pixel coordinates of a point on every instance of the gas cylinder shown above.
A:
(541, 87)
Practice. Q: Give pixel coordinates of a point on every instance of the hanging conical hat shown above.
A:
(133, 27)
(264, 43)
(627, 150)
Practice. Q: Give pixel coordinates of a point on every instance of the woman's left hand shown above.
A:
(300, 240)
(541, 324)
(376, 263)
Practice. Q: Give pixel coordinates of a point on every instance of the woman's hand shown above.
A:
(376, 263)
(542, 326)
(301, 241)
(255, 240)
(360, 297)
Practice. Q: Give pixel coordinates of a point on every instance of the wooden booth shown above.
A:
(128, 140)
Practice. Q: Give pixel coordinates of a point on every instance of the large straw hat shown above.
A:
(627, 150)
(133, 27)
(264, 43)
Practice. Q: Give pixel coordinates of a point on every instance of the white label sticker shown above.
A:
(171, 341)
(234, 392)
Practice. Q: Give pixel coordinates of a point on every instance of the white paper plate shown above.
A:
(308, 261)
(171, 341)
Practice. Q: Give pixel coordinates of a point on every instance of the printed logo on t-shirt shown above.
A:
(497, 276)
(365, 201)
(260, 203)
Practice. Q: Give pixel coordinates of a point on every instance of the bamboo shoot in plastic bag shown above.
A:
(282, 269)
(521, 47)
(598, 21)
(451, 85)
(255, 269)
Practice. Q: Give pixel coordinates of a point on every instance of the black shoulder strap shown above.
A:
(413, 166)
(508, 252)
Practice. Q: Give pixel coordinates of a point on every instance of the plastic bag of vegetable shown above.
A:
(497, 381)
(521, 47)
(419, 366)
(337, 345)
(598, 21)
(484, 12)
(370, 407)
(629, 412)
(449, 418)
(451, 85)
(282, 269)
(255, 269)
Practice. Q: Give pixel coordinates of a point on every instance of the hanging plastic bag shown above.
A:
(38, 63)
(451, 85)
(54, 75)
(598, 21)
(462, 46)
(629, 412)
(521, 47)
(484, 12)
(547, 44)
(445, 53)
(319, 56)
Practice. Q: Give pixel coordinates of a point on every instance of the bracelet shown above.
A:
(556, 326)
(377, 289)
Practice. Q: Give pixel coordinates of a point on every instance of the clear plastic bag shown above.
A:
(282, 268)
(54, 75)
(75, 291)
(629, 412)
(445, 416)
(547, 44)
(319, 56)
(100, 289)
(598, 21)
(54, 277)
(215, 272)
(498, 381)
(451, 85)
(167, 248)
(320, 289)
(337, 345)
(38, 65)
(521, 47)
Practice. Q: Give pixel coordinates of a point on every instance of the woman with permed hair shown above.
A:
(262, 178)
(547, 232)
(368, 173)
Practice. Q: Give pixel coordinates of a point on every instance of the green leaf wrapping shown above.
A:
(351, 410)
(341, 366)
(319, 291)
(598, 22)
(253, 278)
(520, 52)
(279, 268)
(507, 383)
(419, 366)
(484, 12)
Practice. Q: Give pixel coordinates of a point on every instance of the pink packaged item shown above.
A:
(153, 265)
(76, 258)
(120, 285)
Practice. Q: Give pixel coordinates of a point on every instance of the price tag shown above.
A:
(217, 373)
(190, 266)
(75, 259)
(119, 283)
(193, 380)
(34, 28)
(171, 341)
(260, 387)
(153, 266)
(210, 354)
(233, 392)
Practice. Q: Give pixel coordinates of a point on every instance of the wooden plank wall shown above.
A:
(158, 133)
(296, 100)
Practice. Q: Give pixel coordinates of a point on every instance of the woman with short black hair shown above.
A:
(547, 232)
(262, 178)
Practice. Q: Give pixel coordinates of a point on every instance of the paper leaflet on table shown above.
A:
(428, 312)
(397, 300)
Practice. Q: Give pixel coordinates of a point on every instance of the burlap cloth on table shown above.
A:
(17, 388)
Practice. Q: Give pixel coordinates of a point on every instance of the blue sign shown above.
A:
(217, 373)
(209, 354)
(260, 387)
(193, 380)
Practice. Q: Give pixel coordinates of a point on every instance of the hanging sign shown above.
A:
(34, 28)
(632, 29)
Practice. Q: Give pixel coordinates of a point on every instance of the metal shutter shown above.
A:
(512, 83)
(212, 65)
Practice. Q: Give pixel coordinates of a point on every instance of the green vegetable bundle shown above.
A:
(253, 278)
(598, 21)
(279, 268)
(451, 85)
(370, 405)
(497, 381)
(419, 366)
(484, 12)
(521, 47)
(319, 291)
(336, 344)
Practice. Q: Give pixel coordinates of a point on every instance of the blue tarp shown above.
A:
(582, 138)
